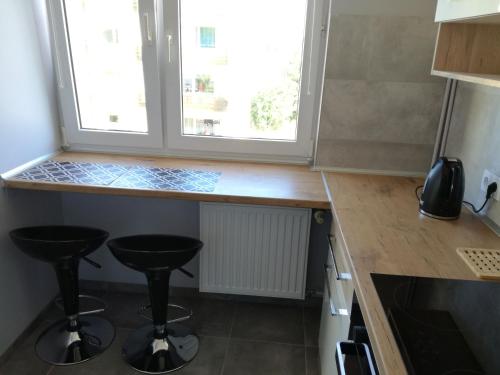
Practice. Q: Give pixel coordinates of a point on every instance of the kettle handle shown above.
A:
(452, 187)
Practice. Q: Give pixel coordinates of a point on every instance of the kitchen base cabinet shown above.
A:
(337, 303)
(333, 329)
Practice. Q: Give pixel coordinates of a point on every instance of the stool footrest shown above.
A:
(188, 315)
(58, 302)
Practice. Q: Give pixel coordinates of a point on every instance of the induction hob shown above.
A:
(441, 326)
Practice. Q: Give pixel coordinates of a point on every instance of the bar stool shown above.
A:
(77, 338)
(161, 347)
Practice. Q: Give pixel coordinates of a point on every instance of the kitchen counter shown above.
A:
(237, 182)
(383, 232)
(381, 228)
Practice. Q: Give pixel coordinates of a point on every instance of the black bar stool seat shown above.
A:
(161, 347)
(77, 338)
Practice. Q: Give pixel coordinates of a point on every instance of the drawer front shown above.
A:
(334, 290)
(448, 10)
(341, 272)
(339, 248)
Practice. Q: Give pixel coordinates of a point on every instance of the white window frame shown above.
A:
(73, 132)
(301, 148)
(163, 83)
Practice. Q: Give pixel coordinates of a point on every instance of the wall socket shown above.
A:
(488, 178)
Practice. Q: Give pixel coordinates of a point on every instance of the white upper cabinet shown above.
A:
(451, 10)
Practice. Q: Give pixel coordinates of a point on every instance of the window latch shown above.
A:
(147, 29)
(169, 47)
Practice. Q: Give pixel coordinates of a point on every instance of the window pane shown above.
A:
(241, 63)
(106, 51)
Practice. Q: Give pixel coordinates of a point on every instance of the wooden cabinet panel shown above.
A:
(468, 42)
(468, 48)
(468, 52)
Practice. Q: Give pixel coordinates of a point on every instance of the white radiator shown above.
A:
(254, 250)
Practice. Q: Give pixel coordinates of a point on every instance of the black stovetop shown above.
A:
(443, 327)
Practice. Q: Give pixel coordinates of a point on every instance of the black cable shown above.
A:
(492, 188)
(416, 192)
(474, 208)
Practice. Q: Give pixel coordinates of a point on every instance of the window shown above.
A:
(109, 81)
(190, 76)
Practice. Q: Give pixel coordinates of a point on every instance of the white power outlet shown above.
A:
(488, 178)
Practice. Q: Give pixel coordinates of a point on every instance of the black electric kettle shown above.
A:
(443, 190)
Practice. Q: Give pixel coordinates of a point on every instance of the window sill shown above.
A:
(239, 182)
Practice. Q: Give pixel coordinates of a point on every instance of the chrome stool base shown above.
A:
(58, 345)
(150, 355)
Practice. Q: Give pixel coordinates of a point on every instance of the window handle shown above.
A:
(57, 58)
(169, 47)
(147, 29)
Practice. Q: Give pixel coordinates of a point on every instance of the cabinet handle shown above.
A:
(338, 275)
(333, 310)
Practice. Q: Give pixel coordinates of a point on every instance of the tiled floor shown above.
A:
(236, 338)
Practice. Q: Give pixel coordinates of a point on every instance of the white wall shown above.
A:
(27, 130)
(27, 97)
(475, 139)
(124, 216)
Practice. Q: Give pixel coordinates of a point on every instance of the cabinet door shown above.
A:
(448, 10)
(335, 322)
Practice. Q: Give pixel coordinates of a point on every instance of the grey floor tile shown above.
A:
(211, 317)
(108, 363)
(23, 360)
(312, 361)
(210, 358)
(271, 323)
(312, 317)
(263, 358)
(52, 313)
(123, 307)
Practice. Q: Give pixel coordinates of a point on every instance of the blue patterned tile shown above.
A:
(73, 173)
(122, 176)
(168, 179)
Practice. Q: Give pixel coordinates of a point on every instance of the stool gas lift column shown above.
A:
(77, 338)
(161, 347)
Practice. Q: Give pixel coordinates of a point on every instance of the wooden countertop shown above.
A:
(378, 217)
(240, 182)
(383, 232)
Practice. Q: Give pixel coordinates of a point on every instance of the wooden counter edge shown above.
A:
(375, 333)
(171, 194)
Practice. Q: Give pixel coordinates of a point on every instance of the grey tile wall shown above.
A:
(381, 106)
(475, 138)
